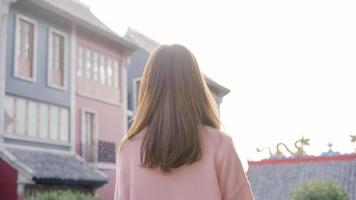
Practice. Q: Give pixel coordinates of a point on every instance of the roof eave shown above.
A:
(129, 46)
(55, 181)
(224, 91)
(135, 36)
(306, 159)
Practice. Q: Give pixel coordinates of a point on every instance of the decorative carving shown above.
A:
(300, 148)
(330, 152)
(299, 145)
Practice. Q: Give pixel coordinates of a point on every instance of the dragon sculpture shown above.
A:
(299, 145)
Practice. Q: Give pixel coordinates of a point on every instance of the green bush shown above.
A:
(63, 195)
(319, 190)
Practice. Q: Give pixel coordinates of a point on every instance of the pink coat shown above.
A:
(218, 175)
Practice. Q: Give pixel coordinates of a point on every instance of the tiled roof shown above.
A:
(275, 179)
(77, 11)
(56, 168)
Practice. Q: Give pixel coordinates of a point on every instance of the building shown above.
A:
(276, 178)
(137, 63)
(101, 99)
(63, 98)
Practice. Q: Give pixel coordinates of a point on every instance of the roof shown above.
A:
(276, 178)
(76, 11)
(224, 91)
(142, 41)
(149, 45)
(44, 167)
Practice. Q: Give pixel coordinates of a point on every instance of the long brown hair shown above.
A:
(174, 103)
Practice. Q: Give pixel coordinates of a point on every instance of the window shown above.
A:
(56, 59)
(20, 116)
(25, 48)
(109, 72)
(9, 114)
(98, 75)
(32, 119)
(89, 139)
(116, 74)
(43, 121)
(98, 67)
(63, 136)
(80, 62)
(88, 64)
(95, 66)
(53, 126)
(102, 70)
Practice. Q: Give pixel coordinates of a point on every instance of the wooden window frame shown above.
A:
(109, 66)
(11, 114)
(88, 71)
(96, 133)
(49, 60)
(95, 66)
(51, 122)
(116, 83)
(106, 57)
(61, 124)
(37, 138)
(105, 53)
(102, 65)
(16, 50)
(80, 68)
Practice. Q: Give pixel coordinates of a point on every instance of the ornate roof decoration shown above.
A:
(81, 14)
(274, 179)
(330, 152)
(299, 149)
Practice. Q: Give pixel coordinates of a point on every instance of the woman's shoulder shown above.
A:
(130, 145)
(217, 141)
(220, 143)
(216, 135)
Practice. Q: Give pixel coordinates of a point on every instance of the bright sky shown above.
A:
(290, 65)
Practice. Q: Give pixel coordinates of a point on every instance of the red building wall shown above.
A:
(8, 182)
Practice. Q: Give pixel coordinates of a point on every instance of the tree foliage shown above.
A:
(63, 195)
(319, 190)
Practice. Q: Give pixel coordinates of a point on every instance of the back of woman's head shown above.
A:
(174, 103)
